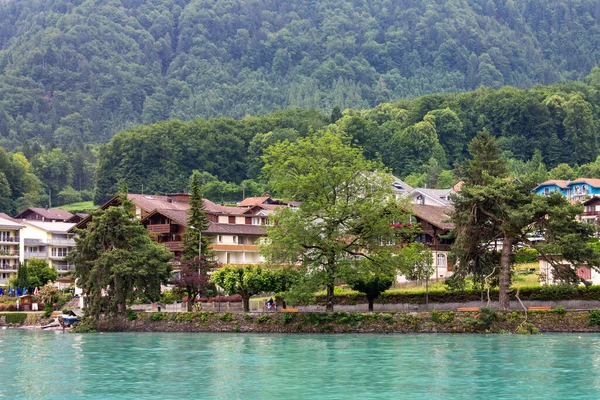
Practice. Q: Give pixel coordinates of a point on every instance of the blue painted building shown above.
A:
(579, 189)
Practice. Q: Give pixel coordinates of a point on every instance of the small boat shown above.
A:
(69, 319)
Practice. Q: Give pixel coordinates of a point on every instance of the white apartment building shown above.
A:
(11, 243)
(49, 241)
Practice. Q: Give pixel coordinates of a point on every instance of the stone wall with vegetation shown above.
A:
(483, 321)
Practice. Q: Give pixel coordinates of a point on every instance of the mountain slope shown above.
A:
(79, 71)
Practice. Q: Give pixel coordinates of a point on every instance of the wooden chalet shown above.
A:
(44, 214)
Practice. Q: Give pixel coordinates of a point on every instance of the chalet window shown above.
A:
(547, 191)
(232, 220)
(235, 239)
(256, 221)
(248, 220)
(220, 239)
(242, 240)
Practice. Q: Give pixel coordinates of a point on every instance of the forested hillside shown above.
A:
(79, 71)
(422, 140)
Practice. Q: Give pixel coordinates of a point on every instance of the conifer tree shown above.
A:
(197, 222)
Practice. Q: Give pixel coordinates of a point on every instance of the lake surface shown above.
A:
(54, 365)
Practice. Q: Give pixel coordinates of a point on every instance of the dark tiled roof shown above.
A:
(51, 213)
(436, 216)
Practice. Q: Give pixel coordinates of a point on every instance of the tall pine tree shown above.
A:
(197, 222)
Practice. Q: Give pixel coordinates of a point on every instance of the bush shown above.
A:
(527, 328)
(525, 256)
(594, 316)
(157, 316)
(263, 318)
(15, 318)
(487, 316)
(560, 310)
(131, 315)
(454, 283)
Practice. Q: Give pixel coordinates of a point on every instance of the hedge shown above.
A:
(540, 293)
(14, 318)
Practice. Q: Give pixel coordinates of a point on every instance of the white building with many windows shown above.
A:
(11, 243)
(49, 241)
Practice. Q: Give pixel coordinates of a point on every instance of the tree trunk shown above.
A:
(371, 300)
(246, 303)
(507, 244)
(190, 301)
(330, 298)
(119, 298)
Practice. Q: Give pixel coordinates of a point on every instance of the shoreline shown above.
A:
(469, 322)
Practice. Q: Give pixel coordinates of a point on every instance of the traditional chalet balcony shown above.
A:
(34, 254)
(234, 247)
(439, 247)
(173, 246)
(590, 213)
(10, 240)
(163, 228)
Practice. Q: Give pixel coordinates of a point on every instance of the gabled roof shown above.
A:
(592, 200)
(436, 216)
(590, 181)
(6, 221)
(47, 213)
(252, 201)
(52, 227)
(179, 216)
(563, 184)
(400, 186)
(438, 195)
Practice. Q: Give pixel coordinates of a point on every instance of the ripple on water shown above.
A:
(241, 366)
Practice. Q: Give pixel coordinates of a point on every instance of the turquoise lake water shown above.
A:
(54, 365)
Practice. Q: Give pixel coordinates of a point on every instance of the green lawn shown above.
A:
(83, 206)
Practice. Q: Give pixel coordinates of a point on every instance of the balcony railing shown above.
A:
(173, 246)
(4, 254)
(163, 228)
(234, 247)
(34, 254)
(63, 268)
(57, 257)
(14, 240)
(8, 267)
(61, 242)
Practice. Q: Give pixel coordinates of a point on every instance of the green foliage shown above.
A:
(116, 261)
(560, 310)
(594, 316)
(246, 281)
(158, 316)
(341, 194)
(131, 315)
(263, 318)
(527, 328)
(487, 316)
(525, 255)
(287, 317)
(39, 273)
(226, 317)
(442, 317)
(15, 318)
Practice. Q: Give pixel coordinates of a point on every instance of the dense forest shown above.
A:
(544, 132)
(74, 72)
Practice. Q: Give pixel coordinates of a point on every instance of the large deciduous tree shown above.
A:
(246, 281)
(116, 261)
(346, 212)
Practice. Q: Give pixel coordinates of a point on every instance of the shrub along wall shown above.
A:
(539, 293)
